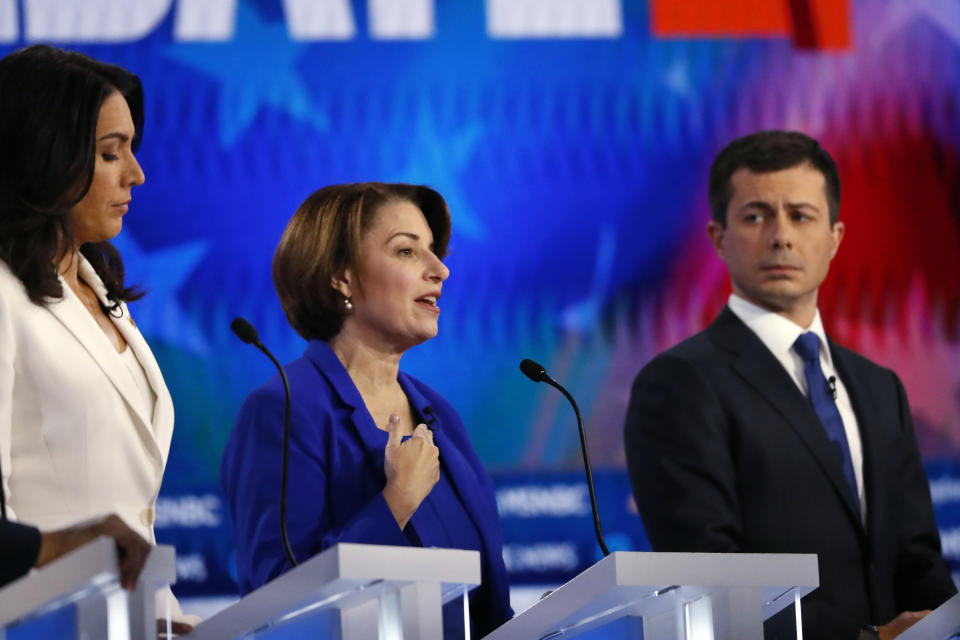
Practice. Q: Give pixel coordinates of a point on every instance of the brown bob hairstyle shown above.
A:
(323, 239)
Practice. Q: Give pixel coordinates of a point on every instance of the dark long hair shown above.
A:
(50, 103)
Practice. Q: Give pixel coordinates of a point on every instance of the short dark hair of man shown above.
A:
(766, 152)
(49, 112)
(323, 239)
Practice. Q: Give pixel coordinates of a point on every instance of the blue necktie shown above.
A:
(821, 397)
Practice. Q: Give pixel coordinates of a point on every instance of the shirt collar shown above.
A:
(775, 331)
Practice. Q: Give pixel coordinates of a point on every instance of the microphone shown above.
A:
(537, 373)
(245, 331)
(248, 334)
(832, 383)
(429, 417)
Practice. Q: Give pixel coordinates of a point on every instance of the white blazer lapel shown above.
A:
(78, 321)
(162, 418)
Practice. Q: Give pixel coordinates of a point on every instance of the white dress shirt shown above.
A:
(778, 334)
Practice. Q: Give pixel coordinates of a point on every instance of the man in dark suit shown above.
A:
(23, 547)
(759, 434)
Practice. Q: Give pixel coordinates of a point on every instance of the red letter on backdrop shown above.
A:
(812, 24)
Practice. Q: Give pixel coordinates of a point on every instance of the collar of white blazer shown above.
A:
(77, 320)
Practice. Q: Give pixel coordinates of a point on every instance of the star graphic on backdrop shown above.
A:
(676, 76)
(439, 160)
(583, 316)
(256, 68)
(163, 272)
(944, 15)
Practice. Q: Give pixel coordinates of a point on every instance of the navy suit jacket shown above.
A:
(725, 453)
(19, 546)
(336, 476)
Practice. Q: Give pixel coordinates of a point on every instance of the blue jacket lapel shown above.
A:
(465, 482)
(332, 369)
(462, 476)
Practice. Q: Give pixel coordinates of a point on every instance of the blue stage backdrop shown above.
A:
(572, 140)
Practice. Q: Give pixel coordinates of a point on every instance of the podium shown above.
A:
(353, 592)
(940, 624)
(661, 596)
(80, 594)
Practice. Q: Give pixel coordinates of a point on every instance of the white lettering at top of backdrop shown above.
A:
(401, 19)
(116, 21)
(8, 20)
(320, 19)
(92, 20)
(554, 18)
(209, 20)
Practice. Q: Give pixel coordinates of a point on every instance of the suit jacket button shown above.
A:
(147, 516)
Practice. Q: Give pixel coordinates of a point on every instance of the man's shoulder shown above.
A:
(696, 347)
(697, 351)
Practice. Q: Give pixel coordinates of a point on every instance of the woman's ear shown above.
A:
(341, 283)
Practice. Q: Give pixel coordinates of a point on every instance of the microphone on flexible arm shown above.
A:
(248, 334)
(537, 373)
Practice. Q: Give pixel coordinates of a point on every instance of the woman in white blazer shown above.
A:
(85, 417)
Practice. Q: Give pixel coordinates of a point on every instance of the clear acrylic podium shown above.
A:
(79, 596)
(940, 624)
(670, 596)
(353, 592)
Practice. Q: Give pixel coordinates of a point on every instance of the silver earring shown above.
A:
(347, 304)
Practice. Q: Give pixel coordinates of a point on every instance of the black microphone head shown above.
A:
(245, 330)
(532, 370)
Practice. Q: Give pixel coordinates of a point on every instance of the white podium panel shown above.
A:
(666, 596)
(353, 591)
(83, 589)
(940, 624)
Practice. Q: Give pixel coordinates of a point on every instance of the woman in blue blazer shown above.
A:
(359, 275)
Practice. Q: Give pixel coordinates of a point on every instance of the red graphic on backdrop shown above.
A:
(811, 24)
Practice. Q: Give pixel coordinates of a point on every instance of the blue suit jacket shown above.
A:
(336, 476)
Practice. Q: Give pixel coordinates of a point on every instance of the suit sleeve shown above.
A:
(922, 578)
(8, 350)
(250, 473)
(19, 548)
(680, 460)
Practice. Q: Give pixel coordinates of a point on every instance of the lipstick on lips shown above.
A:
(430, 301)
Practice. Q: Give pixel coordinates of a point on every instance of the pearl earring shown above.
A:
(347, 304)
